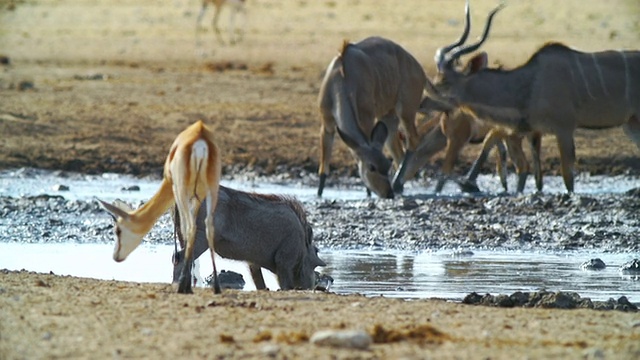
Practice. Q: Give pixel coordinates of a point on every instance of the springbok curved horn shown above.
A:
(459, 51)
(441, 53)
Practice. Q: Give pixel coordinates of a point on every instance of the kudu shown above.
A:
(374, 79)
(191, 178)
(556, 91)
(236, 7)
(267, 231)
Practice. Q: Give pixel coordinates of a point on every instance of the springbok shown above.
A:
(374, 79)
(191, 177)
(236, 7)
(267, 231)
(556, 91)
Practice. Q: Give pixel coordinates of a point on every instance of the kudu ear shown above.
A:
(347, 139)
(115, 211)
(379, 134)
(477, 63)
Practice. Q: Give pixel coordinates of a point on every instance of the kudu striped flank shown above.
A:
(556, 91)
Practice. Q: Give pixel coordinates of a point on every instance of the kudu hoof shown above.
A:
(468, 187)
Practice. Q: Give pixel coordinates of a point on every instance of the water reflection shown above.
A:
(372, 273)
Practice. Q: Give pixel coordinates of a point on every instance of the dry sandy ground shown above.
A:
(48, 316)
(99, 86)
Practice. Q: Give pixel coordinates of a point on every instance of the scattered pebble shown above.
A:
(60, 187)
(351, 339)
(593, 264)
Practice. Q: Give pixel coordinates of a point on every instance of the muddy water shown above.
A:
(372, 273)
(44, 229)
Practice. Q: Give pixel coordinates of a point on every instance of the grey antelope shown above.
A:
(556, 91)
(267, 231)
(236, 7)
(374, 79)
(191, 177)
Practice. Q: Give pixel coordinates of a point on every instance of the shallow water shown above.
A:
(32, 182)
(389, 273)
(372, 273)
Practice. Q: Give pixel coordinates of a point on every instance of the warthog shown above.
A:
(267, 231)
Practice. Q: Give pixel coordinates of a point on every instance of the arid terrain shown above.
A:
(105, 86)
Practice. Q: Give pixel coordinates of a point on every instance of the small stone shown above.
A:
(593, 264)
(352, 339)
(60, 187)
(130, 188)
(271, 350)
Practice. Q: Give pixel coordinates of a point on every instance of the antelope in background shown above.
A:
(374, 79)
(191, 178)
(558, 90)
(452, 129)
(236, 7)
(267, 231)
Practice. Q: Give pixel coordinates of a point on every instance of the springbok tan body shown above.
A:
(267, 231)
(191, 177)
(558, 90)
(236, 7)
(374, 79)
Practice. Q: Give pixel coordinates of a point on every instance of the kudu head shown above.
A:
(373, 166)
(447, 58)
(127, 239)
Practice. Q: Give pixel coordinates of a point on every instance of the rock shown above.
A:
(351, 339)
(130, 188)
(270, 350)
(25, 85)
(593, 264)
(60, 187)
(227, 280)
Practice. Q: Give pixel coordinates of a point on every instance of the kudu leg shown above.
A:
(567, 158)
(432, 142)
(514, 148)
(326, 146)
(408, 118)
(469, 184)
(535, 141)
(632, 129)
(457, 138)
